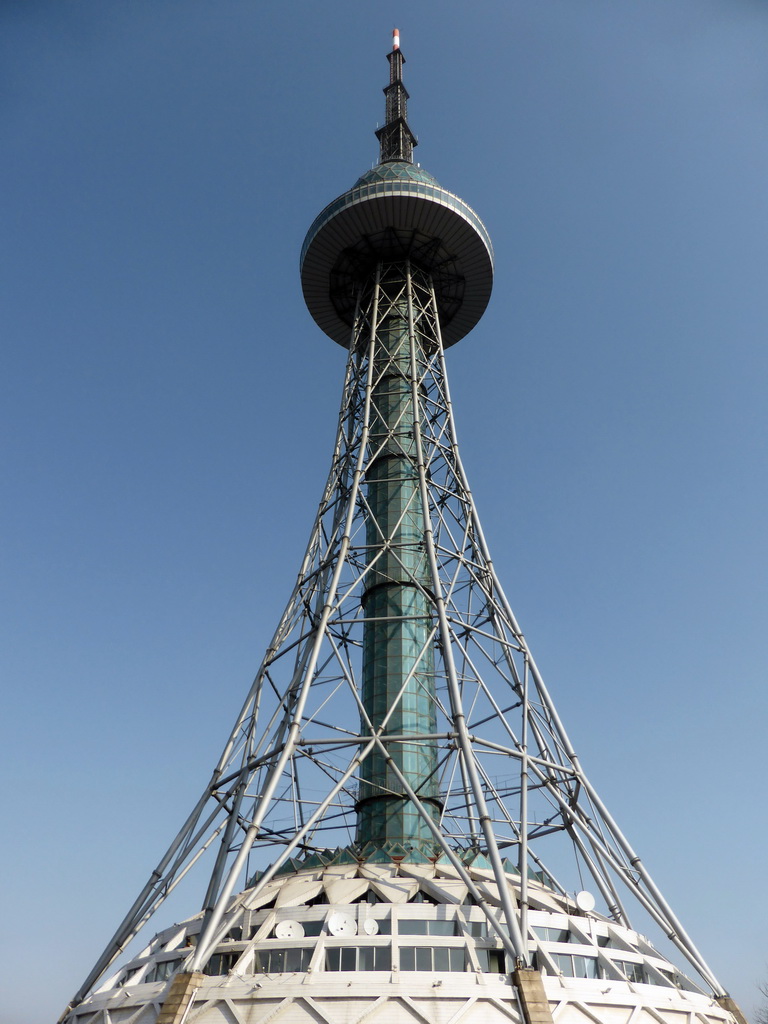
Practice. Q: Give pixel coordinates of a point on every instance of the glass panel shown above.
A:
(456, 959)
(407, 958)
(365, 958)
(423, 958)
(163, 970)
(410, 927)
(333, 959)
(294, 959)
(348, 958)
(441, 927)
(382, 958)
(442, 958)
(564, 964)
(633, 971)
(276, 961)
(585, 967)
(312, 928)
(552, 934)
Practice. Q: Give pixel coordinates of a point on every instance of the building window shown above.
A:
(162, 970)
(632, 970)
(432, 958)
(129, 978)
(491, 961)
(671, 977)
(358, 958)
(477, 929)
(283, 961)
(552, 934)
(421, 927)
(573, 966)
(221, 963)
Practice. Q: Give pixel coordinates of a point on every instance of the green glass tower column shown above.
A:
(398, 643)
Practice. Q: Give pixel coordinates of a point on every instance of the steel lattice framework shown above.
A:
(309, 748)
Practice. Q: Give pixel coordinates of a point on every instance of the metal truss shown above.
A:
(290, 778)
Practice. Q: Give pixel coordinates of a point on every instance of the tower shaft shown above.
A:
(398, 671)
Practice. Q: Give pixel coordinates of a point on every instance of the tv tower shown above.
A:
(398, 828)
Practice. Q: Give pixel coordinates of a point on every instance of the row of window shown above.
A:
(412, 958)
(160, 971)
(572, 965)
(564, 935)
(552, 934)
(452, 927)
(349, 958)
(379, 958)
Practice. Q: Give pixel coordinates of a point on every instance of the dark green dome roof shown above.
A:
(396, 170)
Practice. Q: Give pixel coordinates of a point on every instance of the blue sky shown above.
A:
(168, 408)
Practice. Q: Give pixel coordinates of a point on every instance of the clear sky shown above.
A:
(168, 408)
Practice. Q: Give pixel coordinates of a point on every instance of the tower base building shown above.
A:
(392, 819)
(351, 940)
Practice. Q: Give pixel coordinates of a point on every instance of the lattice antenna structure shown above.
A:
(398, 726)
(396, 140)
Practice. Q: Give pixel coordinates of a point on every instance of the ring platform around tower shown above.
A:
(397, 211)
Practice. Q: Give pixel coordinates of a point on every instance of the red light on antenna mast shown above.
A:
(395, 38)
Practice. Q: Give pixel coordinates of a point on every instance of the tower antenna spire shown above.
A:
(396, 140)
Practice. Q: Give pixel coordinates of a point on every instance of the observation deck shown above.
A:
(393, 212)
